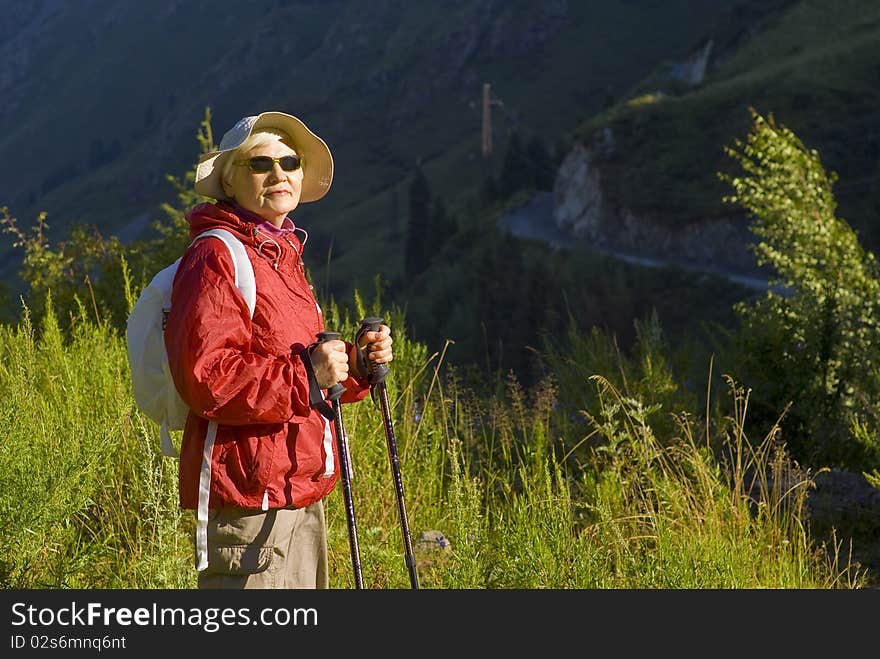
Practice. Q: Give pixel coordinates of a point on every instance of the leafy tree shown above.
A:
(70, 273)
(817, 348)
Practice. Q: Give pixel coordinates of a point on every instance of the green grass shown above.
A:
(86, 502)
(517, 483)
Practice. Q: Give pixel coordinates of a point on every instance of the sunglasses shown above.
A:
(263, 164)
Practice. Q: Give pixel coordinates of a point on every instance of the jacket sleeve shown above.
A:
(208, 339)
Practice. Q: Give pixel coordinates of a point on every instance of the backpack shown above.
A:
(151, 383)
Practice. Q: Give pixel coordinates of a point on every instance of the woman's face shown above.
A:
(271, 195)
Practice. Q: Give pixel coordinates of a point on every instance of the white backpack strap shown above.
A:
(204, 495)
(244, 271)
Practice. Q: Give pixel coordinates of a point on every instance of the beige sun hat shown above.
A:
(316, 157)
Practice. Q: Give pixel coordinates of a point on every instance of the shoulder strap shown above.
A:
(244, 271)
(244, 281)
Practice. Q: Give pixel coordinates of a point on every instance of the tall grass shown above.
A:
(85, 500)
(519, 490)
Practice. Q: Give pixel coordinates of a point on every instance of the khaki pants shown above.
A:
(278, 548)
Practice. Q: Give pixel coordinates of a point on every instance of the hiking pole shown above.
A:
(333, 394)
(376, 377)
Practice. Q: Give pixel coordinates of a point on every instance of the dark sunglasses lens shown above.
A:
(261, 163)
(289, 163)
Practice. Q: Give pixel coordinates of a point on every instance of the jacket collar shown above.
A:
(249, 226)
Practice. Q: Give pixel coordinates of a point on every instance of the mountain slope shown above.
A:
(103, 97)
(812, 65)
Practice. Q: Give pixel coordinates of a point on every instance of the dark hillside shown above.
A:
(102, 98)
(122, 86)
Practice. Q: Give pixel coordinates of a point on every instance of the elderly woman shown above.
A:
(256, 459)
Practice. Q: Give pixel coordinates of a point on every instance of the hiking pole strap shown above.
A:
(316, 397)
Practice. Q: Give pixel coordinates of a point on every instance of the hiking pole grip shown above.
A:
(334, 392)
(375, 372)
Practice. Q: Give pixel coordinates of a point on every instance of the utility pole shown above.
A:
(487, 120)
(488, 102)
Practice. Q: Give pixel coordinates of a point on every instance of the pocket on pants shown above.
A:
(239, 560)
(240, 541)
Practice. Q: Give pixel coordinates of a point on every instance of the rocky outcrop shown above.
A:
(577, 195)
(692, 71)
(581, 208)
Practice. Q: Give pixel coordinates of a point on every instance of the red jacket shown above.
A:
(271, 449)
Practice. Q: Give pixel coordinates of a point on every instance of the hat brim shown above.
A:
(316, 156)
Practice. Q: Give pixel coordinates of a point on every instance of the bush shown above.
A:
(816, 345)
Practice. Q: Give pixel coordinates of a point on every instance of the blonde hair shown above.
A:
(264, 136)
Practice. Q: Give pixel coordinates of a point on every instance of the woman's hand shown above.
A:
(330, 363)
(376, 347)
